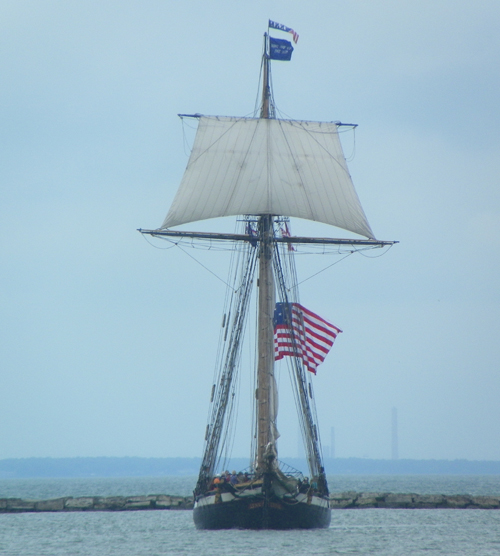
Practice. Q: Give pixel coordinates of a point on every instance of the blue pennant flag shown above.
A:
(280, 49)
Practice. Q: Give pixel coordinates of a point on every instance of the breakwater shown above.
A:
(342, 500)
(354, 500)
(97, 504)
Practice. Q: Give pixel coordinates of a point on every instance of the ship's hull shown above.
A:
(256, 512)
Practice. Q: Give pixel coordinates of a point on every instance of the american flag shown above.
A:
(281, 27)
(313, 335)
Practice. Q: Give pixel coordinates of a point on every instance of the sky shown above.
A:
(108, 342)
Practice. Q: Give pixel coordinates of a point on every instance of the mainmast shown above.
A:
(266, 418)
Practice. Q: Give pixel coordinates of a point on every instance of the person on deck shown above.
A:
(305, 485)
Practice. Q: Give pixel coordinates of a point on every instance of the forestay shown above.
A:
(267, 166)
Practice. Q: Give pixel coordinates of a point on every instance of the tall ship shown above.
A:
(264, 170)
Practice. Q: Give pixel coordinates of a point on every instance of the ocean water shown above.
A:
(42, 489)
(352, 532)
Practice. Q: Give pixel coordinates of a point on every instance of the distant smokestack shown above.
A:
(332, 442)
(395, 451)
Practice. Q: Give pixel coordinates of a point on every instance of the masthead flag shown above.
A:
(284, 28)
(279, 49)
(309, 337)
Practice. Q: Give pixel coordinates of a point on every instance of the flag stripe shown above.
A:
(280, 27)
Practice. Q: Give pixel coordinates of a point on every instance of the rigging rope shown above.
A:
(185, 143)
(352, 156)
(155, 246)
(221, 426)
(376, 256)
(302, 386)
(323, 270)
(201, 264)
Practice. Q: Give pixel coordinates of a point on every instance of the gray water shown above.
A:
(41, 489)
(352, 532)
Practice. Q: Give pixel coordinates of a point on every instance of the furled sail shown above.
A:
(268, 166)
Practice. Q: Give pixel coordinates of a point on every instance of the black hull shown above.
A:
(256, 513)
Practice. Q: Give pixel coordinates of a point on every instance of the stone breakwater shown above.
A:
(97, 504)
(359, 500)
(343, 500)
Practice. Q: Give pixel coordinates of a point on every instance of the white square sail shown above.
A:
(263, 166)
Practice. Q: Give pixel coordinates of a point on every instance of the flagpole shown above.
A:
(265, 111)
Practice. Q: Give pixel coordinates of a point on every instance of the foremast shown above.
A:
(265, 394)
(266, 417)
(269, 264)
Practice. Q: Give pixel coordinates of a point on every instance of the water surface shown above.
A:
(352, 532)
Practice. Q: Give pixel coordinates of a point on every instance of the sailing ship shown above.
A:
(264, 170)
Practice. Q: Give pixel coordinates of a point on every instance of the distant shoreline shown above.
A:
(24, 468)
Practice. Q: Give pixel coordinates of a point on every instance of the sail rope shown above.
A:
(185, 143)
(202, 265)
(223, 411)
(229, 304)
(297, 284)
(352, 156)
(233, 357)
(300, 379)
(219, 437)
(156, 246)
(376, 256)
(286, 276)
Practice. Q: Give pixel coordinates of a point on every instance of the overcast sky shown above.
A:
(107, 344)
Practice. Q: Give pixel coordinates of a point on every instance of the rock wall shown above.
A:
(97, 503)
(343, 500)
(352, 500)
